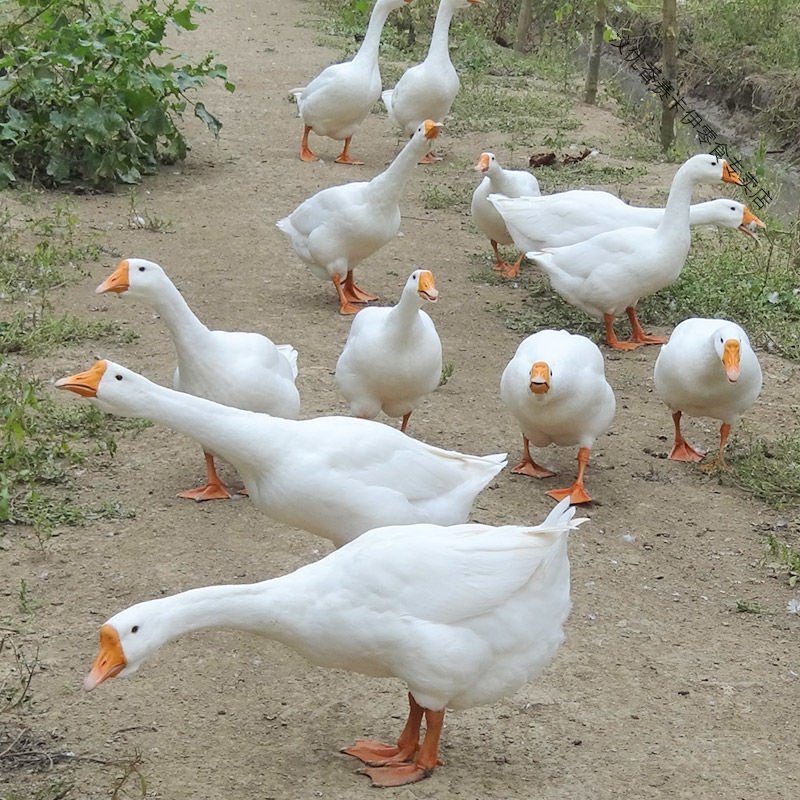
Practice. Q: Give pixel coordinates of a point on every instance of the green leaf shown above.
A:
(214, 125)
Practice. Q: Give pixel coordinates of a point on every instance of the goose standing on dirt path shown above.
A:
(427, 90)
(707, 369)
(339, 227)
(339, 99)
(509, 183)
(392, 358)
(610, 272)
(564, 218)
(555, 386)
(259, 375)
(331, 476)
(464, 615)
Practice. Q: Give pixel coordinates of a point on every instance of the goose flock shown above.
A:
(464, 613)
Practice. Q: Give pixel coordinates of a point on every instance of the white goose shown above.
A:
(332, 476)
(610, 272)
(464, 615)
(556, 388)
(338, 100)
(564, 218)
(392, 358)
(260, 376)
(508, 183)
(427, 90)
(339, 227)
(707, 369)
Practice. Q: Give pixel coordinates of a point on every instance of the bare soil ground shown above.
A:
(662, 689)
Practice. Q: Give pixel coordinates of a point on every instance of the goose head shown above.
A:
(428, 130)
(109, 386)
(134, 276)
(421, 284)
(708, 168)
(541, 375)
(728, 343)
(487, 164)
(732, 214)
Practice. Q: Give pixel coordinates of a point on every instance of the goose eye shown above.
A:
(118, 377)
(733, 208)
(141, 269)
(134, 629)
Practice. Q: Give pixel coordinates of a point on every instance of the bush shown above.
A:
(89, 93)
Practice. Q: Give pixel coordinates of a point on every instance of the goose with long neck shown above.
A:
(337, 228)
(509, 183)
(427, 90)
(564, 218)
(332, 476)
(339, 99)
(464, 615)
(392, 359)
(610, 272)
(260, 376)
(707, 369)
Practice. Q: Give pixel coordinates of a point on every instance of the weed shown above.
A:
(16, 676)
(439, 196)
(447, 373)
(25, 602)
(748, 607)
(769, 470)
(784, 556)
(144, 219)
(91, 93)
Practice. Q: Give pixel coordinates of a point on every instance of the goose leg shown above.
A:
(404, 423)
(719, 462)
(345, 304)
(214, 488)
(353, 292)
(429, 158)
(637, 332)
(378, 754)
(305, 150)
(682, 450)
(344, 156)
(577, 492)
(425, 761)
(611, 336)
(528, 466)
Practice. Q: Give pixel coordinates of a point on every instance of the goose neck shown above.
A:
(439, 48)
(368, 52)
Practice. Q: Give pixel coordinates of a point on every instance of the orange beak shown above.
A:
(432, 129)
(84, 383)
(483, 163)
(731, 360)
(729, 176)
(748, 219)
(117, 281)
(540, 378)
(474, 2)
(110, 660)
(426, 286)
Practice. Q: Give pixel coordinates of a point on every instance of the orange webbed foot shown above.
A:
(429, 158)
(307, 156)
(532, 470)
(577, 494)
(648, 338)
(377, 754)
(211, 491)
(683, 451)
(348, 308)
(718, 464)
(624, 345)
(395, 774)
(341, 159)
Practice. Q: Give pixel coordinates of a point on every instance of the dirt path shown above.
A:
(662, 689)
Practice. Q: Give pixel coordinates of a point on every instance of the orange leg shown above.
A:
(378, 754)
(719, 463)
(344, 156)
(353, 292)
(577, 492)
(305, 150)
(611, 336)
(528, 466)
(429, 158)
(425, 761)
(345, 305)
(637, 332)
(404, 423)
(682, 450)
(214, 488)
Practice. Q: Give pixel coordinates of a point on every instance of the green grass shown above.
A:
(785, 557)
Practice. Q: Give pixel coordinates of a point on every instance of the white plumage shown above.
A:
(464, 615)
(508, 183)
(392, 358)
(259, 375)
(332, 476)
(337, 228)
(556, 388)
(707, 369)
